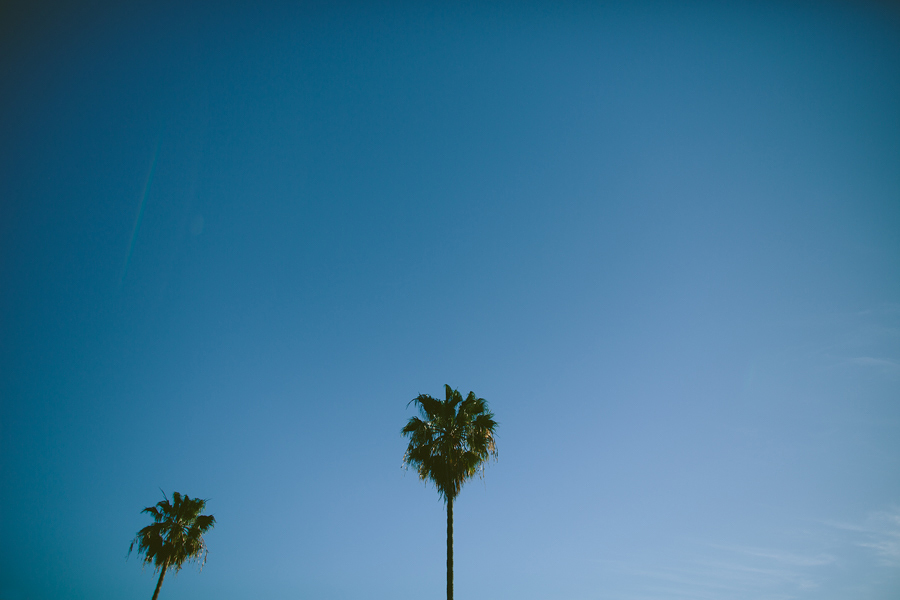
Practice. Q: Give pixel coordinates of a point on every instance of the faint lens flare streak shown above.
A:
(137, 221)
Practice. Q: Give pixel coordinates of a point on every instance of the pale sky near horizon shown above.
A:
(663, 243)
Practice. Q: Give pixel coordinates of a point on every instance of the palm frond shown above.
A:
(176, 535)
(451, 440)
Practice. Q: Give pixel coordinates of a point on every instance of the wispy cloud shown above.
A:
(865, 339)
(834, 559)
(781, 557)
(735, 572)
(887, 364)
(844, 526)
(889, 550)
(880, 532)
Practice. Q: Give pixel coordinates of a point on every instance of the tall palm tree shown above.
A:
(448, 445)
(175, 536)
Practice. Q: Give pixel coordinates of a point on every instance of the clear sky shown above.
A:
(663, 243)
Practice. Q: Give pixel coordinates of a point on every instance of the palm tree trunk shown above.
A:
(159, 583)
(449, 549)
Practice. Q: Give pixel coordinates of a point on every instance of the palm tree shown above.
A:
(175, 536)
(448, 445)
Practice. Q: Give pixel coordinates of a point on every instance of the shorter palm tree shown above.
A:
(175, 536)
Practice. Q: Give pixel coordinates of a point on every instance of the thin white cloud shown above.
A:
(865, 339)
(844, 526)
(785, 558)
(734, 572)
(888, 550)
(836, 559)
(870, 361)
(880, 532)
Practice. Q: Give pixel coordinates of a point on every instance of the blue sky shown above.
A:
(662, 242)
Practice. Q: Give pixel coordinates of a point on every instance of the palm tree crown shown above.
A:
(175, 536)
(449, 444)
(451, 441)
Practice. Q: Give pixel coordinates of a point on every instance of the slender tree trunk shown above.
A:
(159, 583)
(449, 549)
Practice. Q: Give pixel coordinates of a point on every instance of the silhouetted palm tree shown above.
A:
(448, 445)
(175, 536)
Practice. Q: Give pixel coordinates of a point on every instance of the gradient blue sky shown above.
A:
(663, 243)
